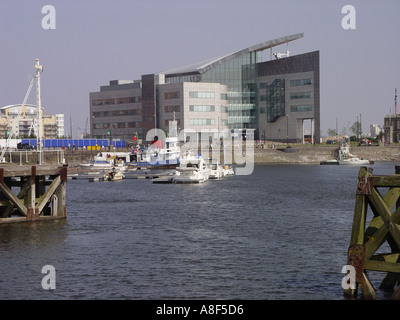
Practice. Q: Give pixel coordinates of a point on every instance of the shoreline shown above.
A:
(267, 155)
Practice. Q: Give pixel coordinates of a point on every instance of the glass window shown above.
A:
(300, 82)
(301, 95)
(202, 108)
(301, 108)
(171, 95)
(201, 94)
(202, 122)
(172, 108)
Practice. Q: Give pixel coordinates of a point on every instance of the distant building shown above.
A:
(21, 122)
(374, 130)
(392, 127)
(237, 91)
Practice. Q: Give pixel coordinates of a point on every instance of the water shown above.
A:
(280, 233)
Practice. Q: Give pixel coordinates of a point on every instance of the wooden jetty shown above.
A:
(41, 192)
(375, 246)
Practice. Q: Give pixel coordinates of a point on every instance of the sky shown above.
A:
(95, 41)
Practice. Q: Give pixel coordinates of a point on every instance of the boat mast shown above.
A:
(39, 69)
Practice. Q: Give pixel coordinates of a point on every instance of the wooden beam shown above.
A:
(358, 227)
(49, 192)
(367, 288)
(382, 266)
(385, 213)
(10, 195)
(387, 181)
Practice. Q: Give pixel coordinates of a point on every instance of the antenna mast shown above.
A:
(39, 69)
(395, 101)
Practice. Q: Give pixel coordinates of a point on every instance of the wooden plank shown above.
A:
(358, 227)
(10, 195)
(382, 266)
(390, 279)
(391, 197)
(385, 213)
(11, 170)
(386, 181)
(49, 192)
(367, 288)
(375, 241)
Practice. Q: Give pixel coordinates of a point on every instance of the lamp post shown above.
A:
(287, 129)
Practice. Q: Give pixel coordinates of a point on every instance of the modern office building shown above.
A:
(21, 121)
(275, 97)
(392, 128)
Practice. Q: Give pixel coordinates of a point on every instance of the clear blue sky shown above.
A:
(96, 41)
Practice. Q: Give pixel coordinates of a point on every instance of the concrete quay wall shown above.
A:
(303, 154)
(322, 153)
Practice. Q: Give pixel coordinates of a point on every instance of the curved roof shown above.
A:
(19, 105)
(203, 66)
(31, 106)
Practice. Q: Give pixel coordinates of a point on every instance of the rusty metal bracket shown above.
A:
(356, 258)
(365, 185)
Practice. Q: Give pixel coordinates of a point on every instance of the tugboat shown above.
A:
(345, 157)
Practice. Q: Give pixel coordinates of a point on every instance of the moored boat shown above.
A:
(113, 175)
(192, 169)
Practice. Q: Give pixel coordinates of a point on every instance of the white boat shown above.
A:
(113, 175)
(107, 161)
(354, 161)
(345, 157)
(216, 171)
(192, 169)
(159, 154)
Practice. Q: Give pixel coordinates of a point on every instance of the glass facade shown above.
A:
(275, 99)
(239, 75)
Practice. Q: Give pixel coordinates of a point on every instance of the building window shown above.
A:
(301, 95)
(172, 108)
(300, 82)
(301, 108)
(201, 108)
(171, 95)
(201, 122)
(224, 96)
(201, 94)
(275, 99)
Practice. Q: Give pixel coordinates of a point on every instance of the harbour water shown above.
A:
(280, 233)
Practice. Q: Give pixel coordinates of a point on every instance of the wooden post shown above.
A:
(383, 227)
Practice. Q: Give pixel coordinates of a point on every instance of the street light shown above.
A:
(287, 129)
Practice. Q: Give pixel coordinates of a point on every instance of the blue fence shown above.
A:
(79, 143)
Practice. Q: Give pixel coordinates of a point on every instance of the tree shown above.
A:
(355, 128)
(331, 132)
